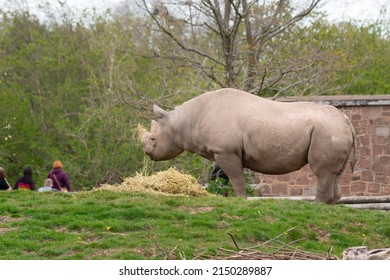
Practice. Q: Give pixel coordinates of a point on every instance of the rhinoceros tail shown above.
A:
(353, 152)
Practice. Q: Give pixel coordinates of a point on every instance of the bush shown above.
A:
(222, 187)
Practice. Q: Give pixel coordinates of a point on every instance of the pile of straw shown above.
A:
(170, 181)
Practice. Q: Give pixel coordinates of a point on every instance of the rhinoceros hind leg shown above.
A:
(327, 158)
(336, 188)
(325, 187)
(232, 165)
(336, 191)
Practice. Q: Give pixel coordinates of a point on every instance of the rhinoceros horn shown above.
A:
(160, 113)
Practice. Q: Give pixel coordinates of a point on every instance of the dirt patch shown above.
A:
(227, 216)
(359, 225)
(268, 219)
(222, 225)
(196, 210)
(61, 229)
(8, 219)
(323, 235)
(108, 253)
(3, 230)
(149, 253)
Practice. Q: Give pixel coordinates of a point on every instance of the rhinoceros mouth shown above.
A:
(150, 155)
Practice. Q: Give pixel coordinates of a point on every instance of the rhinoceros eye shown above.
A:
(153, 138)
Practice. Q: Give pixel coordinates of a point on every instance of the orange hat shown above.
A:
(57, 164)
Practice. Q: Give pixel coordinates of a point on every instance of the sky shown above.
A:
(360, 10)
(337, 10)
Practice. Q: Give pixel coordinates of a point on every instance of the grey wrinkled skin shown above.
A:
(237, 129)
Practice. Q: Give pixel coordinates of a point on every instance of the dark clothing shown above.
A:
(218, 173)
(62, 179)
(3, 184)
(26, 182)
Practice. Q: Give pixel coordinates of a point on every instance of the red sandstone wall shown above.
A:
(372, 169)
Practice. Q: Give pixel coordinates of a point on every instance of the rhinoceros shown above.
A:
(239, 130)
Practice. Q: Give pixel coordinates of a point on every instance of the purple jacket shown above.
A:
(62, 178)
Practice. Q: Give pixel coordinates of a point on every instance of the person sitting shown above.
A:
(4, 185)
(25, 182)
(60, 179)
(48, 186)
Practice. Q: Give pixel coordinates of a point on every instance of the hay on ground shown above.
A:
(170, 181)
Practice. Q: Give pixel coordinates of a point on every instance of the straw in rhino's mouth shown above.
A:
(139, 131)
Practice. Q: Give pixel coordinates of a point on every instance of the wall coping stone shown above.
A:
(342, 100)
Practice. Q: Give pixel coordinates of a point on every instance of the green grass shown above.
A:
(110, 225)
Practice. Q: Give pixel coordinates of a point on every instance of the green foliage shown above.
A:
(221, 187)
(58, 85)
(372, 52)
(363, 57)
(114, 225)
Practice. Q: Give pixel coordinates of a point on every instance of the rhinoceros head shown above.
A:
(159, 143)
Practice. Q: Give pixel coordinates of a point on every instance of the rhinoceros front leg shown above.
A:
(232, 165)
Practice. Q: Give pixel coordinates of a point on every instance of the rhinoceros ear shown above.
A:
(160, 113)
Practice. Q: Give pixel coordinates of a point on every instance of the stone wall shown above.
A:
(370, 115)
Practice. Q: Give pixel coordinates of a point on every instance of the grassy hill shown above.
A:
(121, 225)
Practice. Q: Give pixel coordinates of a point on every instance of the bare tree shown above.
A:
(230, 42)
